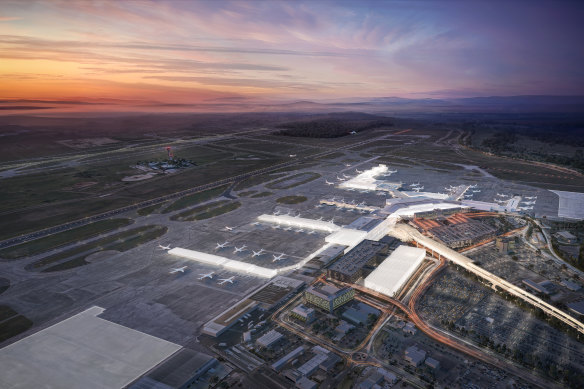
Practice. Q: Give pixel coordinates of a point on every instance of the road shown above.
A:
(408, 233)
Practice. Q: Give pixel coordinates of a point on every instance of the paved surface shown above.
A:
(83, 351)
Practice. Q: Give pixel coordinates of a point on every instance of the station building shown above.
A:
(350, 267)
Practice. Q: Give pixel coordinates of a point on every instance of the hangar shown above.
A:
(395, 270)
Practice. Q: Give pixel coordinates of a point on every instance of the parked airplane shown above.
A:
(340, 179)
(476, 191)
(502, 195)
(531, 197)
(332, 220)
(472, 186)
(221, 245)
(348, 165)
(278, 257)
(392, 171)
(529, 202)
(527, 208)
(277, 213)
(229, 228)
(224, 280)
(206, 275)
(239, 249)
(179, 269)
(320, 219)
(287, 228)
(329, 183)
(164, 247)
(292, 155)
(345, 176)
(416, 189)
(358, 171)
(353, 132)
(257, 253)
(311, 232)
(300, 230)
(255, 223)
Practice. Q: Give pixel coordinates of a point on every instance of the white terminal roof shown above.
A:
(365, 180)
(83, 351)
(415, 208)
(395, 270)
(427, 195)
(300, 222)
(227, 263)
(346, 236)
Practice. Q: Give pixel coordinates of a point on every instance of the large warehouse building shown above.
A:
(394, 272)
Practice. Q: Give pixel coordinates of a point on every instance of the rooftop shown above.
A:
(358, 257)
(83, 351)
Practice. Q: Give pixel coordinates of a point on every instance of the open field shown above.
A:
(291, 200)
(50, 242)
(194, 199)
(120, 242)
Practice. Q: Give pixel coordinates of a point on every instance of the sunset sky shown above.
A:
(189, 51)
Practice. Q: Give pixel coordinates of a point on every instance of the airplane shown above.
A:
(255, 223)
(287, 228)
(300, 230)
(416, 189)
(340, 179)
(329, 183)
(292, 155)
(176, 270)
(502, 195)
(531, 197)
(358, 171)
(353, 132)
(415, 184)
(345, 176)
(311, 232)
(221, 245)
(257, 253)
(207, 275)
(164, 247)
(472, 186)
(277, 213)
(351, 189)
(527, 208)
(392, 171)
(277, 226)
(229, 228)
(320, 219)
(348, 165)
(476, 191)
(224, 280)
(239, 249)
(529, 202)
(332, 220)
(278, 257)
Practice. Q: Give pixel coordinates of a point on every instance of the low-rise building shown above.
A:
(305, 383)
(432, 363)
(286, 358)
(350, 267)
(566, 237)
(328, 297)
(269, 339)
(415, 356)
(304, 313)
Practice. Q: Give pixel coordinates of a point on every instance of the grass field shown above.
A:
(187, 215)
(122, 241)
(194, 199)
(247, 193)
(4, 284)
(217, 211)
(292, 181)
(291, 200)
(59, 239)
(13, 327)
(148, 210)
(261, 194)
(257, 180)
